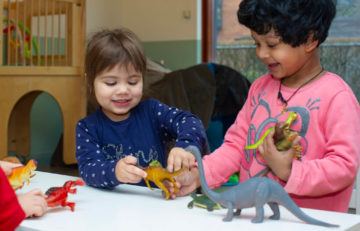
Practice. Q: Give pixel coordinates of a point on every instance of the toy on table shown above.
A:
(203, 201)
(157, 174)
(58, 195)
(255, 192)
(283, 138)
(22, 174)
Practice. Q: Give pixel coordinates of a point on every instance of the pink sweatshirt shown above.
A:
(329, 124)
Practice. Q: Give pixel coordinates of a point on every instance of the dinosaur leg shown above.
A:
(174, 184)
(237, 212)
(190, 205)
(230, 212)
(160, 185)
(275, 208)
(70, 204)
(259, 214)
(148, 184)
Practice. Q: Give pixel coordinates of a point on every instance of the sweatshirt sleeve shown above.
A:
(94, 169)
(226, 160)
(179, 125)
(336, 167)
(11, 213)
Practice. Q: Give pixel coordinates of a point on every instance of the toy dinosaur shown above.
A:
(58, 195)
(283, 138)
(255, 192)
(158, 174)
(22, 174)
(202, 201)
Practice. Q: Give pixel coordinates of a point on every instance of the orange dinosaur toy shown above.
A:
(158, 174)
(22, 174)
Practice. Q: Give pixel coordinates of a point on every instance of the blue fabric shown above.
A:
(101, 142)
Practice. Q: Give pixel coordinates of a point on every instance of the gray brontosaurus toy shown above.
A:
(255, 192)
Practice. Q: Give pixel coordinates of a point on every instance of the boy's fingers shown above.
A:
(177, 164)
(170, 165)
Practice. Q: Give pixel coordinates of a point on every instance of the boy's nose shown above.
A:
(262, 53)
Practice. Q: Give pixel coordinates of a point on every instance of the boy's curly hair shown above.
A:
(293, 20)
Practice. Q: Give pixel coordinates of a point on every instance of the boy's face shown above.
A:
(118, 90)
(282, 59)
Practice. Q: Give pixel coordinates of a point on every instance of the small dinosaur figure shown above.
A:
(58, 195)
(255, 192)
(157, 174)
(22, 174)
(202, 201)
(283, 138)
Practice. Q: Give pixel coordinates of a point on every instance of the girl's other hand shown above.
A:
(180, 157)
(33, 203)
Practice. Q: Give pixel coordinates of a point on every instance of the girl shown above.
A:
(125, 133)
(287, 35)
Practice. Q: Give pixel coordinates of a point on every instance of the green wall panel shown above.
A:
(175, 54)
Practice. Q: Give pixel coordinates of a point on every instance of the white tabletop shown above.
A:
(129, 207)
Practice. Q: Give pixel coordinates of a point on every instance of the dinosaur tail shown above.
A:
(206, 189)
(284, 199)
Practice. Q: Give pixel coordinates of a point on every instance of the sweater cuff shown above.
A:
(294, 181)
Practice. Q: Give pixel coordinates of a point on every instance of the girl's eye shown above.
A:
(110, 83)
(271, 45)
(133, 83)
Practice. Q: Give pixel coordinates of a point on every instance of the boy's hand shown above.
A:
(179, 157)
(187, 181)
(279, 161)
(33, 203)
(126, 170)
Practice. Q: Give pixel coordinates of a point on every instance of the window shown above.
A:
(340, 53)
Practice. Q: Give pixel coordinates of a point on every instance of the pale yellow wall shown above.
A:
(151, 20)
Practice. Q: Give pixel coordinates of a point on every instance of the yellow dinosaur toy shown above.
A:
(157, 174)
(22, 174)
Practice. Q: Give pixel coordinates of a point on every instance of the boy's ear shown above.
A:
(311, 44)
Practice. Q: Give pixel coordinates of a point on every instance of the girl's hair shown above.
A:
(108, 48)
(293, 20)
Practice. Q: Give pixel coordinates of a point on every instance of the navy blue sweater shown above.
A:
(101, 142)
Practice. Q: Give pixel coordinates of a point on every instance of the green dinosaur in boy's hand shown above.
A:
(283, 137)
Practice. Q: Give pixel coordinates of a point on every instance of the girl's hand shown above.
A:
(126, 170)
(179, 157)
(33, 203)
(280, 162)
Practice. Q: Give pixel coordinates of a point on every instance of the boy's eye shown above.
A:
(271, 45)
(257, 44)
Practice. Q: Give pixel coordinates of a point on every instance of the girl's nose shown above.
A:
(121, 89)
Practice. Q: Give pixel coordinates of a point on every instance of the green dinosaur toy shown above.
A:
(283, 137)
(202, 201)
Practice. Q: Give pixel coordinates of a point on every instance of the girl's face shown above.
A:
(118, 90)
(282, 59)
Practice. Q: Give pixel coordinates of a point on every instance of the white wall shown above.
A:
(155, 20)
